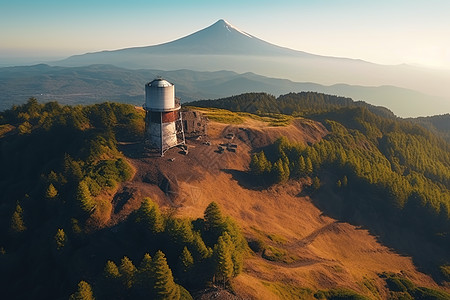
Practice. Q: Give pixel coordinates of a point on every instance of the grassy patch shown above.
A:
(371, 286)
(339, 294)
(278, 255)
(277, 238)
(285, 291)
(221, 115)
(272, 119)
(229, 117)
(401, 287)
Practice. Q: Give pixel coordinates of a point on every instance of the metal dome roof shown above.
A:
(159, 82)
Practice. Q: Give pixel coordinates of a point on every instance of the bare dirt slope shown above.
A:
(317, 251)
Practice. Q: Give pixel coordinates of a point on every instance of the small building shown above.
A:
(195, 124)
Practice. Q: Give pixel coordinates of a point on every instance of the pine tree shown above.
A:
(110, 283)
(213, 216)
(223, 259)
(51, 192)
(111, 270)
(84, 292)
(84, 198)
(259, 164)
(60, 239)
(316, 183)
(308, 166)
(301, 165)
(265, 164)
(17, 223)
(72, 169)
(280, 171)
(180, 230)
(145, 277)
(145, 268)
(127, 272)
(200, 251)
(186, 260)
(254, 165)
(150, 216)
(164, 286)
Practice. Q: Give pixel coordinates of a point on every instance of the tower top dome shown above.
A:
(159, 82)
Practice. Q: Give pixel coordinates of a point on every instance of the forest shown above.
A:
(59, 164)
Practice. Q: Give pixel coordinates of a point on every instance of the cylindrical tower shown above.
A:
(164, 128)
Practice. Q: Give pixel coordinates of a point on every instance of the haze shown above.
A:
(411, 32)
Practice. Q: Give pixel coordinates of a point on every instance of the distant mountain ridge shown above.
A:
(98, 83)
(223, 46)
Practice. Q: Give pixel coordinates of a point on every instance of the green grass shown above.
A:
(229, 117)
(278, 255)
(285, 291)
(277, 238)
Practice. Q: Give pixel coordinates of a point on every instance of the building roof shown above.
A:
(159, 82)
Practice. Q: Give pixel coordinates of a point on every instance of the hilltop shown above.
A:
(304, 249)
(320, 203)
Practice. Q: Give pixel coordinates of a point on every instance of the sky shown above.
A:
(385, 32)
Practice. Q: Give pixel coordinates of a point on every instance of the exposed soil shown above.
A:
(325, 253)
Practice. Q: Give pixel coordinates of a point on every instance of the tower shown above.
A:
(163, 124)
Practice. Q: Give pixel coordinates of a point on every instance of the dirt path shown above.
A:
(312, 236)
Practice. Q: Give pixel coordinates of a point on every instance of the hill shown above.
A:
(97, 83)
(83, 205)
(439, 124)
(222, 46)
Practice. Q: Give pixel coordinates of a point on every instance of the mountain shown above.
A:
(222, 46)
(97, 83)
(221, 38)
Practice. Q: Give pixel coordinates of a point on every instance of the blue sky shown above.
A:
(386, 32)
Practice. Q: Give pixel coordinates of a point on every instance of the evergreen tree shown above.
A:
(127, 272)
(17, 223)
(84, 198)
(84, 292)
(259, 164)
(280, 171)
(180, 230)
(223, 258)
(308, 166)
(301, 165)
(199, 249)
(51, 192)
(165, 287)
(145, 277)
(150, 216)
(60, 239)
(111, 271)
(110, 283)
(186, 260)
(316, 183)
(344, 181)
(72, 169)
(213, 216)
